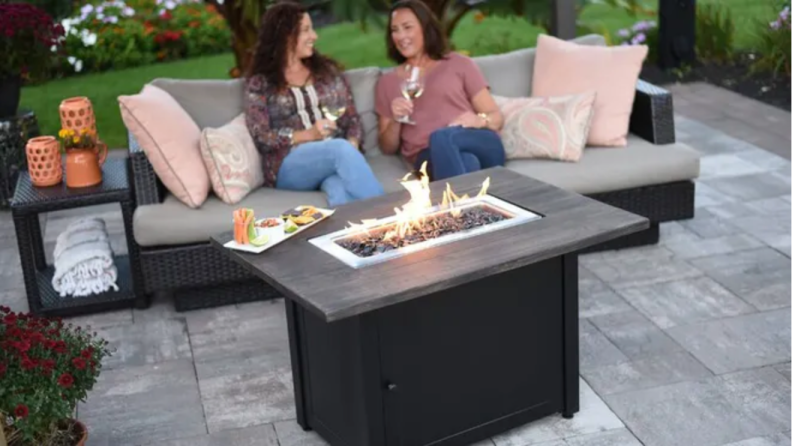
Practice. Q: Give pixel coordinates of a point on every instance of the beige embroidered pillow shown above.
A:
(231, 158)
(551, 127)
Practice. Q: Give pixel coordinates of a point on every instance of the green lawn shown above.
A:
(347, 43)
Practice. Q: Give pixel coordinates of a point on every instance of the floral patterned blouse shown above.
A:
(270, 114)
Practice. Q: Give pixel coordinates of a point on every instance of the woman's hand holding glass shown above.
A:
(401, 109)
(411, 89)
(323, 128)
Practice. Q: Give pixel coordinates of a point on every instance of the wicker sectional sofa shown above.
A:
(653, 176)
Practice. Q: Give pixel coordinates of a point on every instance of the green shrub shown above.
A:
(774, 43)
(714, 33)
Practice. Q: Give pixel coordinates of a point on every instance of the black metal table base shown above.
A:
(451, 368)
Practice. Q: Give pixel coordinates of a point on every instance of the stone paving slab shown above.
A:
(594, 417)
(738, 343)
(760, 277)
(685, 302)
(252, 436)
(735, 115)
(143, 404)
(708, 412)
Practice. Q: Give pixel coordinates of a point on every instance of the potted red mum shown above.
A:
(29, 41)
(46, 367)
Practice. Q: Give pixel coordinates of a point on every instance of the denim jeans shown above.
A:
(455, 151)
(335, 166)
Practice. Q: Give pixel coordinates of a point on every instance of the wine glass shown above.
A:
(333, 113)
(411, 88)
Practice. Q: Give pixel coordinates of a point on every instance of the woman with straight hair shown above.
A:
(435, 105)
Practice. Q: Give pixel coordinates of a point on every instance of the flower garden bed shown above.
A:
(116, 34)
(736, 75)
(762, 74)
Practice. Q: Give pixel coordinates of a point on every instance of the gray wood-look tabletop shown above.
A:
(334, 291)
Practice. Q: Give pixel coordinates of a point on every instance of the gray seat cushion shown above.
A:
(173, 223)
(601, 169)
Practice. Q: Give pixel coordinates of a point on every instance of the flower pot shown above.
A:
(44, 161)
(84, 166)
(77, 114)
(10, 92)
(81, 431)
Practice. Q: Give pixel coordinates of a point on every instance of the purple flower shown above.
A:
(110, 19)
(87, 9)
(776, 24)
(784, 15)
(624, 33)
(170, 4)
(639, 38)
(128, 12)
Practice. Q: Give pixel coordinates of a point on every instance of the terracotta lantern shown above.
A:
(44, 161)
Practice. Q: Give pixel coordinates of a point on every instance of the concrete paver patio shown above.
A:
(683, 343)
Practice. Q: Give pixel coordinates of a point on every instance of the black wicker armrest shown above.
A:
(147, 186)
(652, 115)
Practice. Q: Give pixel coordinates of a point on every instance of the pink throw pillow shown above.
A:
(171, 140)
(564, 68)
(231, 158)
(552, 128)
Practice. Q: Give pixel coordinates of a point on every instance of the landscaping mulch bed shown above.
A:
(735, 76)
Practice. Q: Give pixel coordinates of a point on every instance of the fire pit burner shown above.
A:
(375, 241)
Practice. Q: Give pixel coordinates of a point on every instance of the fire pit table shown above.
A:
(407, 329)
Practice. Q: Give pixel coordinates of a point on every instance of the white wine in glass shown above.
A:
(333, 113)
(411, 89)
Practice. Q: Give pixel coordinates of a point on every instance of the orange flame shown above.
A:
(412, 215)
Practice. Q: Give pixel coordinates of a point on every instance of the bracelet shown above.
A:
(486, 119)
(289, 133)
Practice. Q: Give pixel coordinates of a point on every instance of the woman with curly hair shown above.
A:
(288, 86)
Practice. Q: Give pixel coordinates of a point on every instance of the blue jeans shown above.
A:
(456, 151)
(335, 166)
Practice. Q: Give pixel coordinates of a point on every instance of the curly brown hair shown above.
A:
(272, 49)
(435, 42)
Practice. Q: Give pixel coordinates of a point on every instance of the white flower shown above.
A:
(128, 12)
(87, 9)
(78, 66)
(88, 38)
(111, 19)
(170, 4)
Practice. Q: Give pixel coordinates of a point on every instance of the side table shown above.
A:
(14, 133)
(29, 201)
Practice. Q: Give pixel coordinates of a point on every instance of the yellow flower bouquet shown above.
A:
(71, 139)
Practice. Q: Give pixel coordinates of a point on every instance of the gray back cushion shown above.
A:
(210, 102)
(213, 103)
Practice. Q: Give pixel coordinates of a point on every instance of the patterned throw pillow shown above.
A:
(546, 127)
(232, 160)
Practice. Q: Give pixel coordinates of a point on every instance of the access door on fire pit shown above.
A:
(486, 354)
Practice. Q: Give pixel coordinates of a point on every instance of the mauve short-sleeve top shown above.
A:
(449, 89)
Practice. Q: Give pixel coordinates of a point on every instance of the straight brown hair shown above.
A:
(435, 42)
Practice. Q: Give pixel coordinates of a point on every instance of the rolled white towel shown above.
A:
(84, 260)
